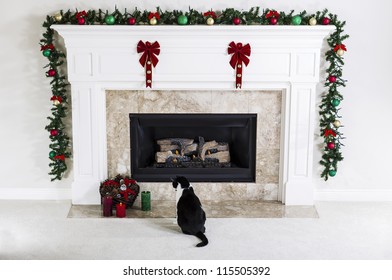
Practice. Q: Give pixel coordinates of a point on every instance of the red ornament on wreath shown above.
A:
(54, 132)
(332, 79)
(236, 21)
(273, 17)
(132, 21)
(80, 17)
(331, 145)
(51, 73)
(326, 21)
(240, 55)
(149, 58)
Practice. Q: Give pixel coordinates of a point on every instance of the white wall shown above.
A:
(25, 94)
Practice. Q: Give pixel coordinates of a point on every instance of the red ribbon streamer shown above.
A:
(154, 15)
(329, 132)
(340, 46)
(47, 47)
(148, 58)
(240, 55)
(210, 14)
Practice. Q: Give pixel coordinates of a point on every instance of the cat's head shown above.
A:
(184, 183)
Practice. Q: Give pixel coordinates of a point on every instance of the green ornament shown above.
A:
(52, 154)
(335, 102)
(296, 20)
(46, 53)
(182, 20)
(332, 173)
(109, 19)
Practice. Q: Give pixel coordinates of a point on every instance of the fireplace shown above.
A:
(233, 135)
(284, 58)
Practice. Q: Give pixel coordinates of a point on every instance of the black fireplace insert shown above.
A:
(202, 147)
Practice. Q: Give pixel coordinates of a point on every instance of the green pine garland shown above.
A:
(331, 99)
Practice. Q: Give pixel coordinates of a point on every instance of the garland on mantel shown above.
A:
(331, 98)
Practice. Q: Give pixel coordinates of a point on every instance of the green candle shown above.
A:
(146, 201)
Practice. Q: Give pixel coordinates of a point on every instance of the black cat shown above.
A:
(190, 215)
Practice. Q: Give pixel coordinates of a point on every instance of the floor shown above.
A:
(44, 230)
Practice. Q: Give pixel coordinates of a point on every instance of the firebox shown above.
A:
(202, 147)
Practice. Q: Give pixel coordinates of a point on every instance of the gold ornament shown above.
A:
(153, 21)
(56, 102)
(312, 21)
(210, 21)
(336, 123)
(340, 52)
(58, 17)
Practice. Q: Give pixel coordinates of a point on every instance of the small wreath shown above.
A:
(121, 189)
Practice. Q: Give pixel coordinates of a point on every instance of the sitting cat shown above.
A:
(190, 215)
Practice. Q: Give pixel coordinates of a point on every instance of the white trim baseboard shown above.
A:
(35, 193)
(353, 195)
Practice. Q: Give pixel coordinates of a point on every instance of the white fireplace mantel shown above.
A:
(101, 58)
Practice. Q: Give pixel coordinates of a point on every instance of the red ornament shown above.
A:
(51, 73)
(331, 145)
(332, 79)
(149, 58)
(54, 132)
(81, 21)
(236, 21)
(326, 21)
(131, 21)
(239, 55)
(273, 21)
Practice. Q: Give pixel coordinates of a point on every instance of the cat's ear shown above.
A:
(174, 182)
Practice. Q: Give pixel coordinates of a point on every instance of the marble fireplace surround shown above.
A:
(102, 59)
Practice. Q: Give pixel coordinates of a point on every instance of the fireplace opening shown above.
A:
(202, 147)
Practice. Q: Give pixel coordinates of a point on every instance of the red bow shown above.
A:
(210, 14)
(80, 14)
(340, 46)
(154, 15)
(46, 47)
(329, 132)
(149, 56)
(58, 98)
(129, 182)
(60, 157)
(272, 14)
(240, 55)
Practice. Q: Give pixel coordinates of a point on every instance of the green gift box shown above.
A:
(146, 201)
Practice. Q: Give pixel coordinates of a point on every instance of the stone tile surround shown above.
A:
(267, 105)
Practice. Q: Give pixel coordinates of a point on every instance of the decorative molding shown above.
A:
(355, 195)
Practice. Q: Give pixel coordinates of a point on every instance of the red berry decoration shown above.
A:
(132, 21)
(331, 145)
(332, 79)
(273, 21)
(236, 21)
(54, 132)
(51, 73)
(81, 21)
(326, 21)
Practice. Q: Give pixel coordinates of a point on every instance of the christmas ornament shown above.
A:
(182, 20)
(296, 20)
(153, 18)
(340, 52)
(46, 53)
(273, 17)
(326, 21)
(331, 145)
(340, 49)
(336, 123)
(51, 73)
(52, 154)
(81, 21)
(335, 102)
(312, 21)
(110, 20)
(240, 55)
(149, 58)
(54, 132)
(131, 21)
(236, 21)
(332, 79)
(332, 173)
(210, 21)
(60, 157)
(56, 100)
(329, 132)
(58, 17)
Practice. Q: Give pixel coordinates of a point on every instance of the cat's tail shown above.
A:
(204, 240)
